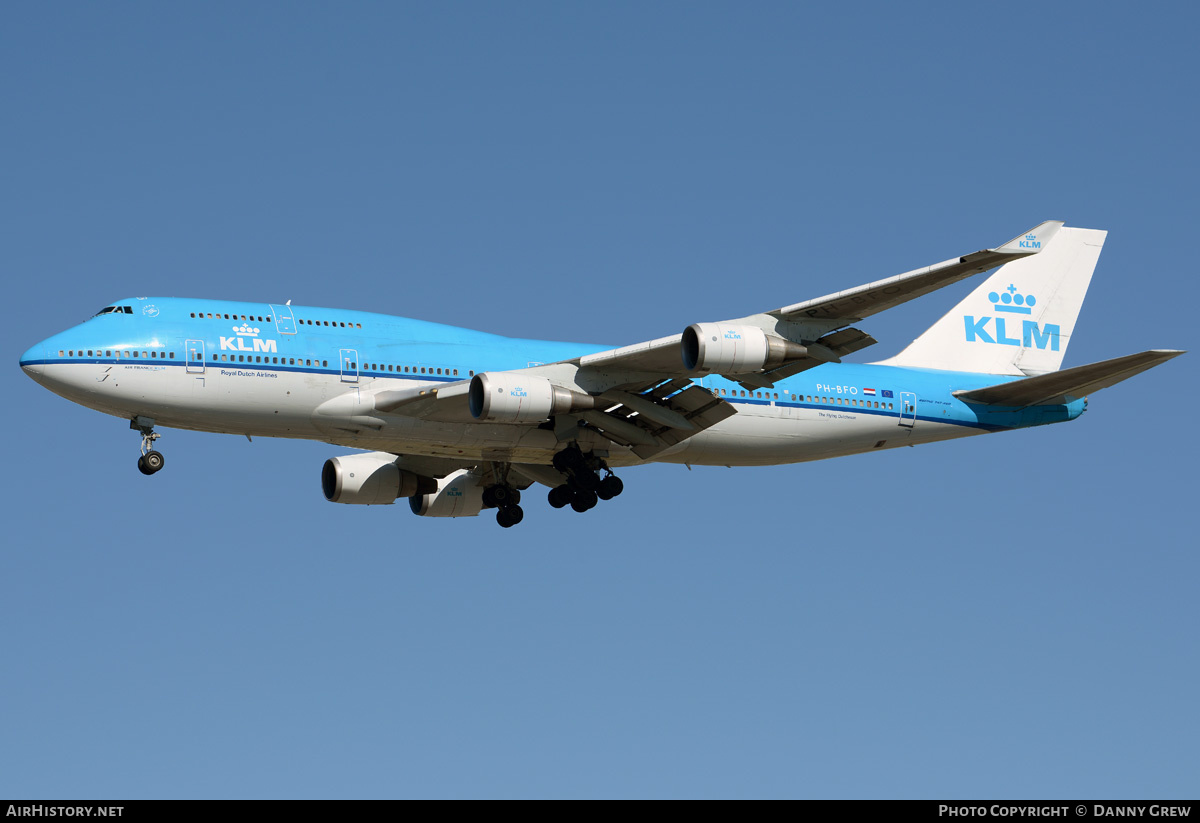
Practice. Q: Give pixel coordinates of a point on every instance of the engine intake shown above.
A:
(370, 479)
(728, 349)
(505, 397)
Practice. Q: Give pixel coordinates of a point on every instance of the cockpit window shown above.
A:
(116, 309)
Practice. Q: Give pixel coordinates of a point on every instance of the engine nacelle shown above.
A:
(370, 479)
(457, 495)
(728, 349)
(505, 397)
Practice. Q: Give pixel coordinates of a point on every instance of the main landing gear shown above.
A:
(151, 461)
(584, 487)
(507, 500)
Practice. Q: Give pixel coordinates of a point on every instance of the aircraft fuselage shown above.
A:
(291, 371)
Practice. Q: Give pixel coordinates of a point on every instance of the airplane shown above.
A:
(461, 421)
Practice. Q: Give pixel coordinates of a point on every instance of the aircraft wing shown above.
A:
(855, 304)
(642, 396)
(812, 323)
(648, 417)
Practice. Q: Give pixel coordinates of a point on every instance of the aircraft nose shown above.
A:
(32, 360)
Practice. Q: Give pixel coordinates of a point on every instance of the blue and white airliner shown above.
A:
(459, 421)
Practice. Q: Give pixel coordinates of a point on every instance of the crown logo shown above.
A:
(245, 331)
(1011, 301)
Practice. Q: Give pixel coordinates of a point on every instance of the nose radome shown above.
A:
(31, 360)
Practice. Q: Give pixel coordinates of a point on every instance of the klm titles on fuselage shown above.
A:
(238, 342)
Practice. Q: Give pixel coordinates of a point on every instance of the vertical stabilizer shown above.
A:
(1020, 320)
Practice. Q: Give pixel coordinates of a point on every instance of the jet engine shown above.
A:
(457, 495)
(728, 349)
(505, 397)
(370, 479)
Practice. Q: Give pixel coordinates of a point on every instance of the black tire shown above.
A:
(142, 467)
(583, 500)
(567, 459)
(154, 461)
(509, 516)
(560, 496)
(515, 495)
(610, 487)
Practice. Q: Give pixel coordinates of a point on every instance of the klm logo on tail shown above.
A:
(1030, 242)
(1012, 302)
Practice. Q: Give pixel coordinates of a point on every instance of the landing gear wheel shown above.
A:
(509, 516)
(154, 461)
(587, 480)
(583, 500)
(560, 496)
(150, 461)
(498, 496)
(610, 487)
(567, 459)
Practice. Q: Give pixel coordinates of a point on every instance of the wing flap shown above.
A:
(1062, 386)
(681, 410)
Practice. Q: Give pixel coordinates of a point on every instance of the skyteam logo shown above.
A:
(243, 333)
(1010, 301)
(1030, 242)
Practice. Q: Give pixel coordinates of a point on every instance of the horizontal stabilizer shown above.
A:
(1062, 386)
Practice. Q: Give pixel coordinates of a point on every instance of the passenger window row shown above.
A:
(152, 354)
(388, 367)
(763, 395)
(258, 358)
(260, 318)
(801, 398)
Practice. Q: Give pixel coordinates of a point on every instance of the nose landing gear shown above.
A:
(151, 461)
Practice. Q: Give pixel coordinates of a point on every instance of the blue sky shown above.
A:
(1008, 616)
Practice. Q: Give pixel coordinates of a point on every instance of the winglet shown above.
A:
(1032, 241)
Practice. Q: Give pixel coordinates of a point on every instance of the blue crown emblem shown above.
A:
(1012, 302)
